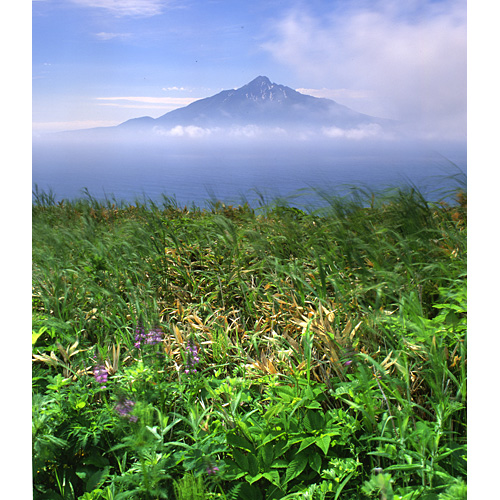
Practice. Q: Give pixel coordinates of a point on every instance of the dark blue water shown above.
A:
(233, 174)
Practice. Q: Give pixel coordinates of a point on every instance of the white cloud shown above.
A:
(109, 36)
(133, 8)
(335, 93)
(190, 131)
(173, 88)
(261, 134)
(409, 57)
(370, 131)
(169, 103)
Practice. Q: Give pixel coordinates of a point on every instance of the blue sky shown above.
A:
(101, 62)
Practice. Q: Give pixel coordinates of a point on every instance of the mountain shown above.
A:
(261, 103)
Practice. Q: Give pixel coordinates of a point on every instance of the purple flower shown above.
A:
(212, 469)
(153, 337)
(124, 409)
(101, 374)
(347, 363)
(192, 357)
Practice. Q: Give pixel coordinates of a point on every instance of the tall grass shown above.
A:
(366, 295)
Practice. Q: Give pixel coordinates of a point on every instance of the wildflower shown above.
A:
(348, 362)
(153, 337)
(192, 357)
(101, 374)
(124, 408)
(212, 469)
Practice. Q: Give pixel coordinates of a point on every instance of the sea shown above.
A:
(199, 174)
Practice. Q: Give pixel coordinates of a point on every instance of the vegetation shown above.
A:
(250, 353)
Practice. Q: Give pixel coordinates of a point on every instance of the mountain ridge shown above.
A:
(259, 102)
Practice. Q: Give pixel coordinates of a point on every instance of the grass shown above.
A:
(331, 344)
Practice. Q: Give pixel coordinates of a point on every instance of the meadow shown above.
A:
(241, 352)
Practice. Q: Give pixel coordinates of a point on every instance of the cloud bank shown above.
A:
(130, 8)
(405, 60)
(259, 134)
(146, 102)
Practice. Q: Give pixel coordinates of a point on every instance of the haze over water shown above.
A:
(197, 170)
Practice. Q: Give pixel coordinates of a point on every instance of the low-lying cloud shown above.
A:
(258, 133)
(405, 60)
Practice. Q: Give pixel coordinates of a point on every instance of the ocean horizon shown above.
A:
(198, 174)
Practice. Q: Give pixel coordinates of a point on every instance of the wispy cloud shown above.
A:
(110, 36)
(335, 93)
(145, 102)
(363, 132)
(257, 134)
(132, 8)
(174, 88)
(190, 131)
(409, 56)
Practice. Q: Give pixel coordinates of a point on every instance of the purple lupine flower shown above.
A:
(348, 362)
(153, 337)
(124, 409)
(192, 357)
(212, 469)
(101, 374)
(139, 334)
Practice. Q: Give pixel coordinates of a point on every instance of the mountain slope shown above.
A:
(262, 103)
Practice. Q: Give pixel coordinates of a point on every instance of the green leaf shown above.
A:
(315, 462)
(273, 477)
(286, 393)
(324, 443)
(313, 421)
(404, 467)
(266, 456)
(279, 463)
(241, 459)
(97, 479)
(307, 442)
(342, 485)
(252, 479)
(36, 336)
(296, 466)
(274, 410)
(239, 442)
(253, 466)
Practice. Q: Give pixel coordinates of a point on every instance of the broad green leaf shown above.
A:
(324, 443)
(35, 337)
(252, 479)
(239, 442)
(313, 421)
(286, 392)
(273, 477)
(271, 436)
(307, 442)
(97, 479)
(241, 459)
(273, 411)
(266, 455)
(253, 466)
(296, 466)
(315, 462)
